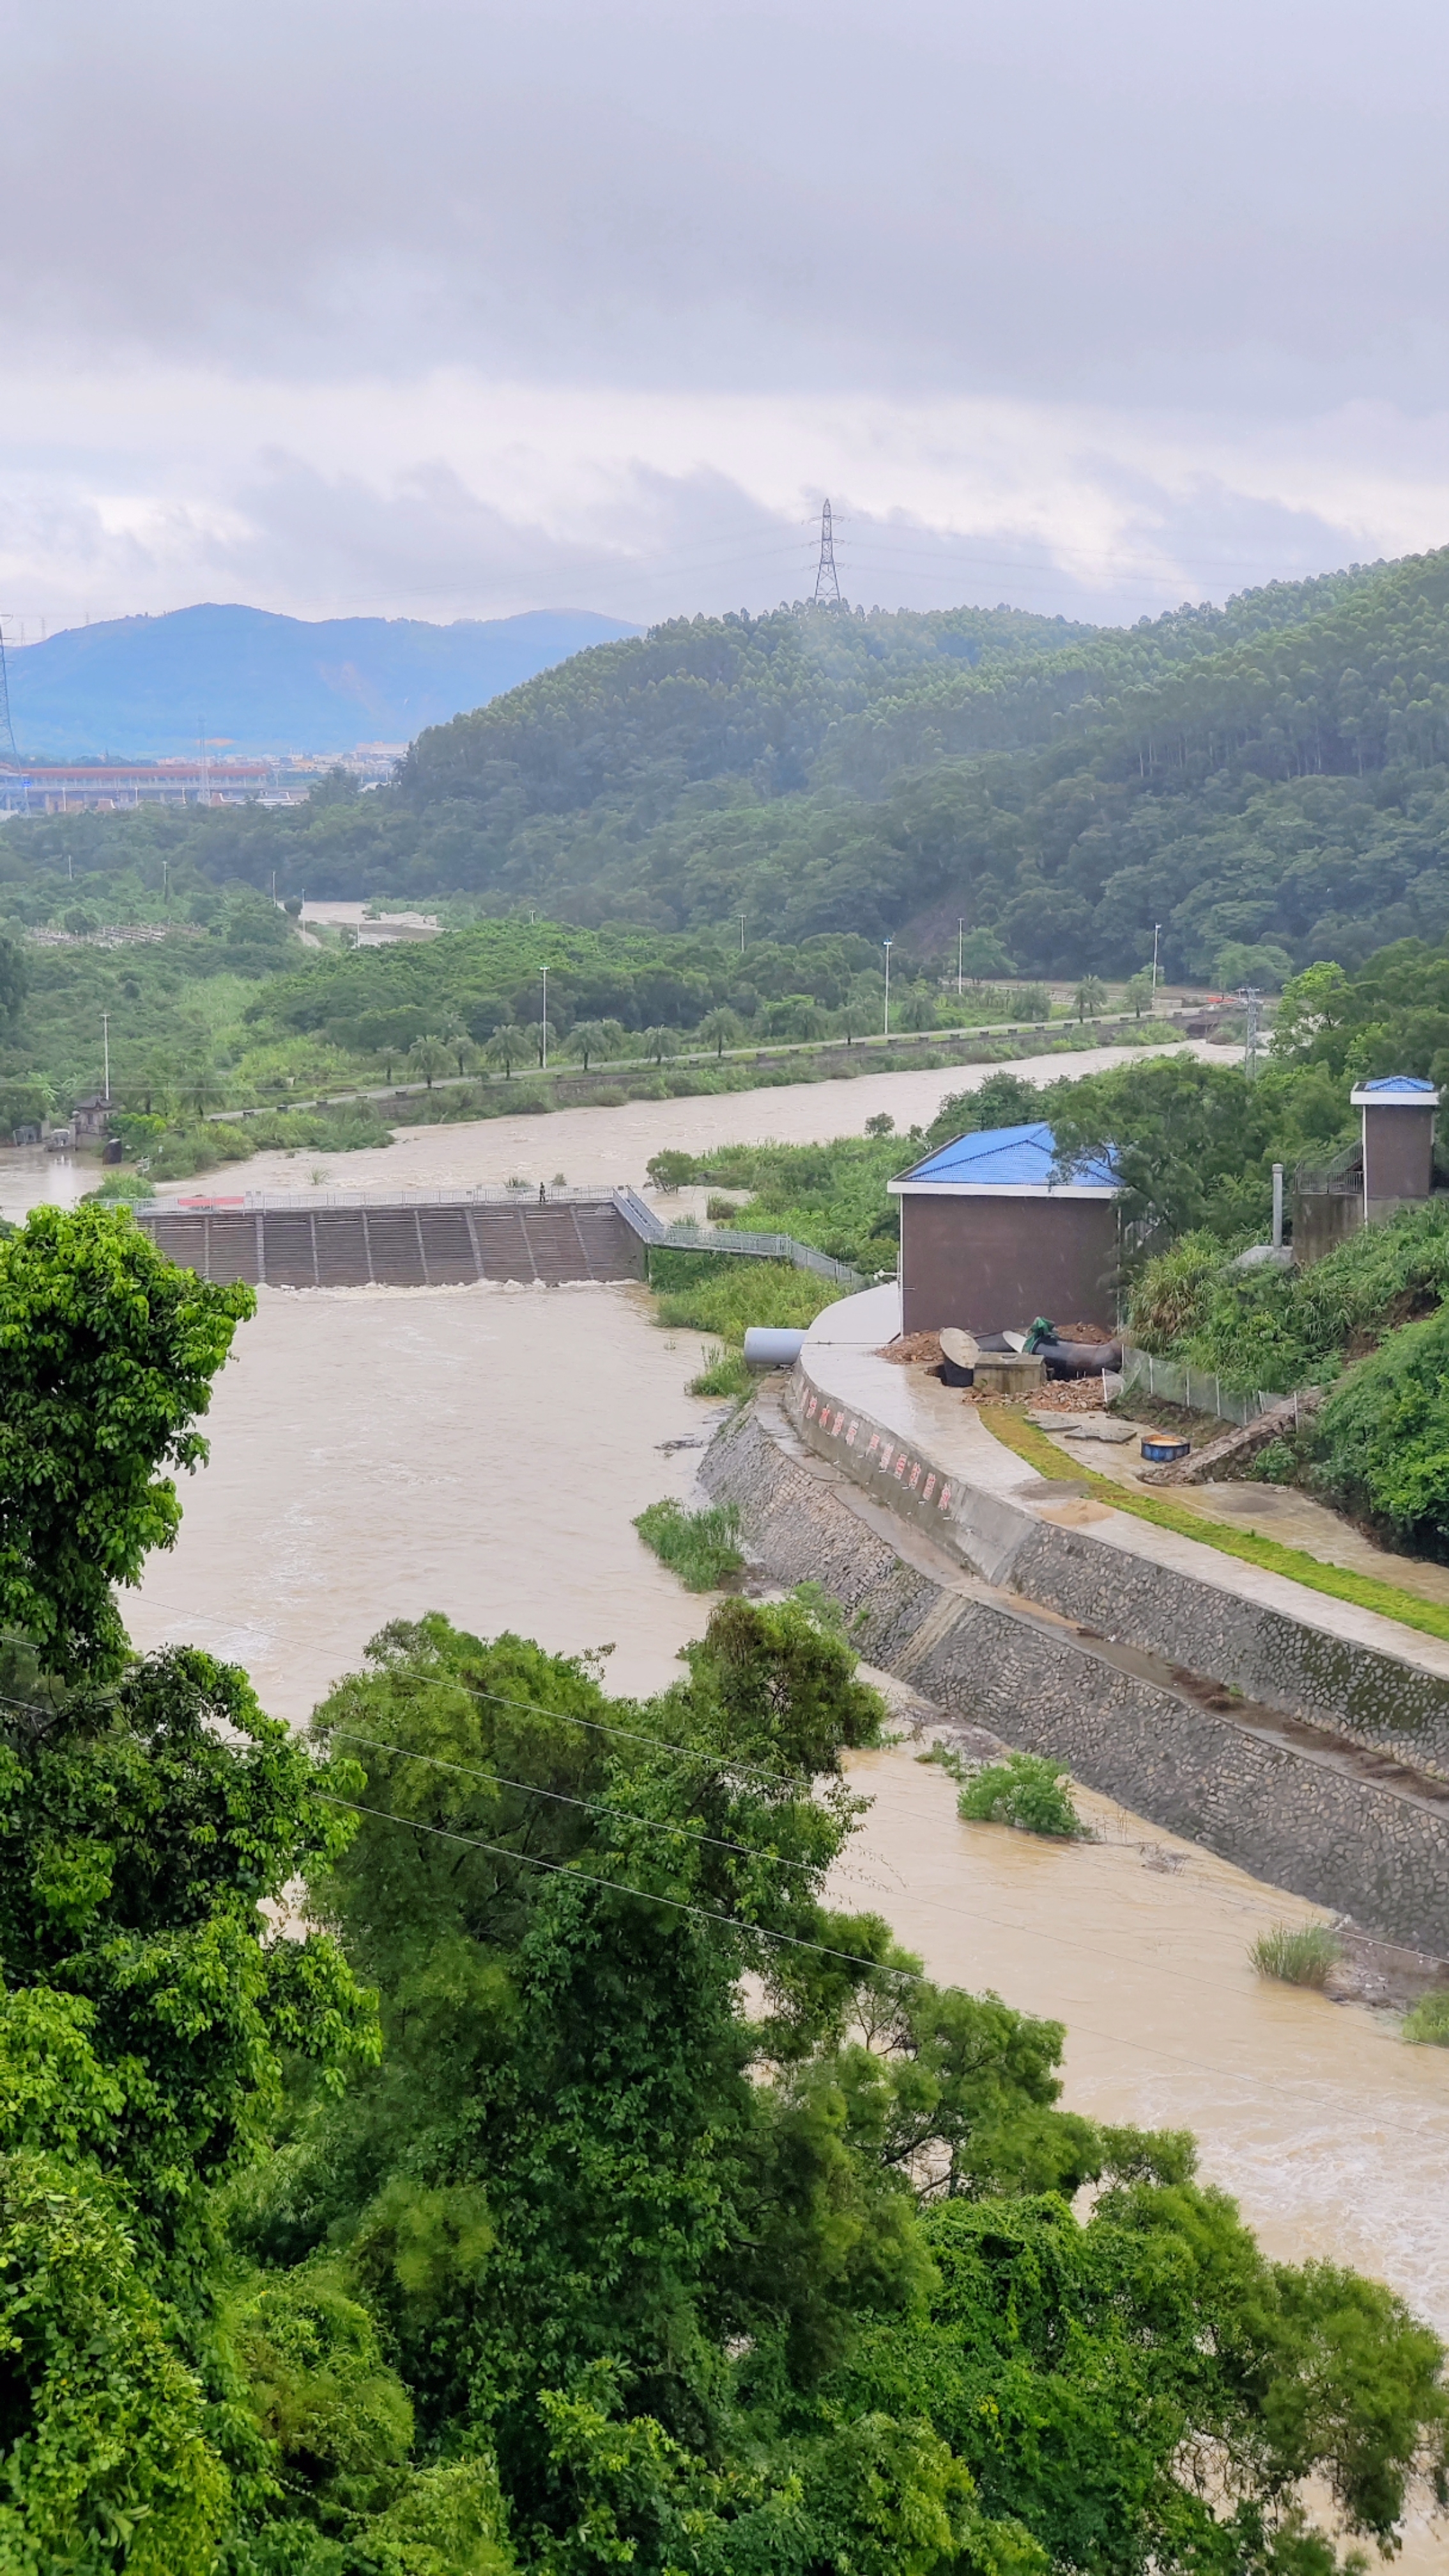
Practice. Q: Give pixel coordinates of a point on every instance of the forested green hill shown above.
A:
(1272, 775)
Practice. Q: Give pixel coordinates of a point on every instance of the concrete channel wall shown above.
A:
(1308, 1807)
(1209, 1622)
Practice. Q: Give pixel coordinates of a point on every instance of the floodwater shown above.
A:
(611, 1146)
(1331, 2132)
(377, 1453)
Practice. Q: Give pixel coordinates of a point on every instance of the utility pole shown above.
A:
(742, 933)
(1156, 932)
(887, 946)
(960, 952)
(203, 796)
(543, 1034)
(106, 1049)
(827, 579)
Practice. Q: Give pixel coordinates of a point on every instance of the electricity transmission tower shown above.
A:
(827, 579)
(7, 733)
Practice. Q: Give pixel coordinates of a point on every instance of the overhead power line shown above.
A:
(620, 1887)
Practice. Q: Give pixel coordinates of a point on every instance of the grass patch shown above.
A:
(1026, 1790)
(1296, 1954)
(697, 1546)
(1366, 1591)
(725, 1294)
(1428, 2022)
(724, 1373)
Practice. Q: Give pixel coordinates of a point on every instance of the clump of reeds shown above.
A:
(1428, 2021)
(724, 1372)
(1026, 1790)
(1297, 1954)
(697, 1546)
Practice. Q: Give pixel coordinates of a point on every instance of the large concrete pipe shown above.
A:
(770, 1346)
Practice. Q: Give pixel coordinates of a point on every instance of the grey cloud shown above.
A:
(1222, 207)
(653, 545)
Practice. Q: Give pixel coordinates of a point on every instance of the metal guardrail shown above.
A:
(651, 1229)
(1196, 1390)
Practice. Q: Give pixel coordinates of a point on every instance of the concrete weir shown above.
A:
(401, 1242)
(1300, 1737)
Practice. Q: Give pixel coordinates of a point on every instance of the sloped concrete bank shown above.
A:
(1362, 1830)
(926, 1454)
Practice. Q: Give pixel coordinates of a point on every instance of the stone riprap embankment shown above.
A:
(1314, 1755)
(1311, 1656)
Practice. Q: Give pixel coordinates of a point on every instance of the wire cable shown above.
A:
(619, 1887)
(562, 1798)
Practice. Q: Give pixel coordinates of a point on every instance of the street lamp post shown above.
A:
(1156, 934)
(742, 919)
(886, 1030)
(960, 953)
(543, 1033)
(106, 1050)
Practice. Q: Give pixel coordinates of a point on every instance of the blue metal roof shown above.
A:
(1009, 1158)
(1397, 1086)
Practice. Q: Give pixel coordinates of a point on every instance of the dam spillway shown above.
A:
(403, 1242)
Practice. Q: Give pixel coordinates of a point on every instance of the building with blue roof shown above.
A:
(1397, 1113)
(994, 1231)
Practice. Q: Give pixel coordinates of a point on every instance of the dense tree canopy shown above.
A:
(1266, 779)
(107, 1353)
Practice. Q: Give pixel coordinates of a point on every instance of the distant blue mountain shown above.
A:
(142, 687)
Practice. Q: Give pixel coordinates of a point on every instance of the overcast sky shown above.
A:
(456, 308)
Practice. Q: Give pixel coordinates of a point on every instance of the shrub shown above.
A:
(670, 1170)
(1287, 1328)
(697, 1546)
(1428, 2023)
(1170, 1299)
(1297, 1954)
(1026, 1791)
(724, 1372)
(1381, 1443)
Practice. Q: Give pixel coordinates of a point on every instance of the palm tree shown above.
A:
(659, 1043)
(719, 1030)
(508, 1046)
(460, 1047)
(593, 1037)
(856, 1020)
(541, 1035)
(430, 1056)
(1090, 997)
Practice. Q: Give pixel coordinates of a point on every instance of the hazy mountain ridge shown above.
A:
(147, 687)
